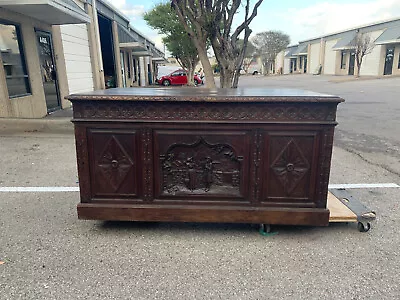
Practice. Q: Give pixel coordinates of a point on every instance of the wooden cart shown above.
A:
(343, 207)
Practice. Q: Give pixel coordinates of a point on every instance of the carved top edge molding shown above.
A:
(205, 98)
(206, 95)
(203, 112)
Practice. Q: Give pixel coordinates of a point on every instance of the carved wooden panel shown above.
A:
(290, 167)
(114, 160)
(147, 166)
(202, 165)
(324, 166)
(273, 112)
(83, 162)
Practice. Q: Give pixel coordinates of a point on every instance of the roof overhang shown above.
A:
(302, 49)
(141, 53)
(53, 12)
(290, 53)
(159, 59)
(134, 46)
(388, 42)
(389, 36)
(345, 42)
(344, 48)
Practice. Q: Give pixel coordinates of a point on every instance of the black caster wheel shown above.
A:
(363, 227)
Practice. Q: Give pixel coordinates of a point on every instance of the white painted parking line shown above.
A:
(363, 186)
(55, 189)
(47, 189)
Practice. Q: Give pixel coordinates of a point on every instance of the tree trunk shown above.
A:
(358, 63)
(358, 71)
(200, 42)
(208, 72)
(226, 61)
(190, 76)
(236, 79)
(226, 78)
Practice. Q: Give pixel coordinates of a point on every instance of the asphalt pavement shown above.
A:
(47, 253)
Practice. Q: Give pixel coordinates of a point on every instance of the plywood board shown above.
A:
(338, 211)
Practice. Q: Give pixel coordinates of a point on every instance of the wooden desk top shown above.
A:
(206, 95)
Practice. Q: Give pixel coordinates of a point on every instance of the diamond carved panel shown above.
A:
(290, 166)
(115, 163)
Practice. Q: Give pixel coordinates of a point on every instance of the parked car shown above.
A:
(178, 77)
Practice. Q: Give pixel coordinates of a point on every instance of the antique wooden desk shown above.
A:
(195, 155)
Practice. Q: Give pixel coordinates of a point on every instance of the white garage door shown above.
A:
(77, 58)
(330, 58)
(314, 58)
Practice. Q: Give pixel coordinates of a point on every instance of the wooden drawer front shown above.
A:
(113, 163)
(290, 163)
(201, 165)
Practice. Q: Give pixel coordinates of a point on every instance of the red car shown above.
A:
(178, 77)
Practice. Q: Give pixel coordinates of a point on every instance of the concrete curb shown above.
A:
(60, 125)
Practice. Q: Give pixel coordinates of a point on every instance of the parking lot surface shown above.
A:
(47, 253)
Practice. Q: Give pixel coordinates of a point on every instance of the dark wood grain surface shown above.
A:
(203, 94)
(250, 156)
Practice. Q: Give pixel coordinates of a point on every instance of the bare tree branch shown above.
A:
(362, 45)
(246, 23)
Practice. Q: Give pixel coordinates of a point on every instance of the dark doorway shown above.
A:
(352, 62)
(293, 65)
(48, 70)
(305, 64)
(389, 61)
(107, 51)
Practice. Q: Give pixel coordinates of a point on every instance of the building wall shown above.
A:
(313, 57)
(78, 62)
(286, 66)
(330, 57)
(371, 62)
(33, 105)
(279, 61)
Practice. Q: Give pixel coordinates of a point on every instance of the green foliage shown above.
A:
(163, 18)
(250, 48)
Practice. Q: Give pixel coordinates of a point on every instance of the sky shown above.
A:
(300, 19)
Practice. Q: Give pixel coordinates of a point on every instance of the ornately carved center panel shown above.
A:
(200, 168)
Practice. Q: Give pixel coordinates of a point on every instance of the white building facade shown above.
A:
(52, 48)
(334, 54)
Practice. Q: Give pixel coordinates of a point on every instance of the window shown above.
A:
(128, 62)
(12, 55)
(398, 64)
(343, 60)
(301, 63)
